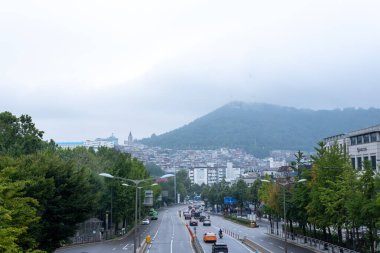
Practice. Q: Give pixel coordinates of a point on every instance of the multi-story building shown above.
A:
(109, 142)
(211, 175)
(70, 145)
(361, 145)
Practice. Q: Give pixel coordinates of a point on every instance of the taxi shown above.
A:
(209, 237)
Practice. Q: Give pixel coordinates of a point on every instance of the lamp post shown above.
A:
(283, 188)
(136, 183)
(175, 187)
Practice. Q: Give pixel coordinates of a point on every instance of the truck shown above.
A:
(153, 214)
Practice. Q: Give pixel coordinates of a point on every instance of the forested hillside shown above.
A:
(259, 128)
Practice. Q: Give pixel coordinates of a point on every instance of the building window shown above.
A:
(353, 140)
(374, 137)
(373, 162)
(360, 139)
(359, 163)
(353, 162)
(366, 138)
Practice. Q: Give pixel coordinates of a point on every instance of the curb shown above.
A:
(299, 245)
(143, 247)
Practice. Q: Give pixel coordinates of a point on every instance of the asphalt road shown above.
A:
(172, 235)
(234, 245)
(257, 235)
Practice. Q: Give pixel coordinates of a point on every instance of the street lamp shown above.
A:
(283, 186)
(136, 183)
(139, 206)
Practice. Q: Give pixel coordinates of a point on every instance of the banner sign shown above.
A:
(148, 201)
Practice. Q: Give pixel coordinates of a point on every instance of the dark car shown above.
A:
(193, 223)
(219, 248)
(206, 223)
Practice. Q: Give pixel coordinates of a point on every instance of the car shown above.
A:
(209, 237)
(187, 216)
(145, 222)
(206, 223)
(219, 248)
(193, 223)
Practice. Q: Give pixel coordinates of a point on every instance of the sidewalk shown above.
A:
(309, 243)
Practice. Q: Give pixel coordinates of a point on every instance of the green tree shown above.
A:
(370, 210)
(19, 135)
(64, 195)
(17, 212)
(328, 166)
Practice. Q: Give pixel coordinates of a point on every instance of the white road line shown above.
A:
(125, 247)
(171, 246)
(281, 247)
(154, 237)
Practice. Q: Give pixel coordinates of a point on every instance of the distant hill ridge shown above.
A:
(259, 128)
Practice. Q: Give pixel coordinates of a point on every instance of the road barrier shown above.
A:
(232, 234)
(194, 241)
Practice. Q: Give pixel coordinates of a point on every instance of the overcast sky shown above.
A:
(86, 69)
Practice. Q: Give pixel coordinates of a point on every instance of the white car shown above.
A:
(145, 222)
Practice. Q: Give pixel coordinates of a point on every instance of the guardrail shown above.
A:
(232, 234)
(310, 242)
(194, 241)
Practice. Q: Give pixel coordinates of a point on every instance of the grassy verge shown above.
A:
(241, 221)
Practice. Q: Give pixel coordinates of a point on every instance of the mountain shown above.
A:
(259, 128)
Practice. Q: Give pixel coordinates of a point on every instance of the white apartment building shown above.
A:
(97, 144)
(211, 175)
(198, 175)
(232, 173)
(275, 164)
(70, 145)
(361, 145)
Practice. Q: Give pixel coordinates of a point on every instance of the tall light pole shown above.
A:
(139, 207)
(175, 187)
(283, 188)
(136, 183)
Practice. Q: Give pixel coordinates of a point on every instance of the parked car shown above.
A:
(145, 221)
(219, 248)
(206, 223)
(209, 237)
(193, 222)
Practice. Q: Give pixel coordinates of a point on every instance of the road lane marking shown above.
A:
(171, 246)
